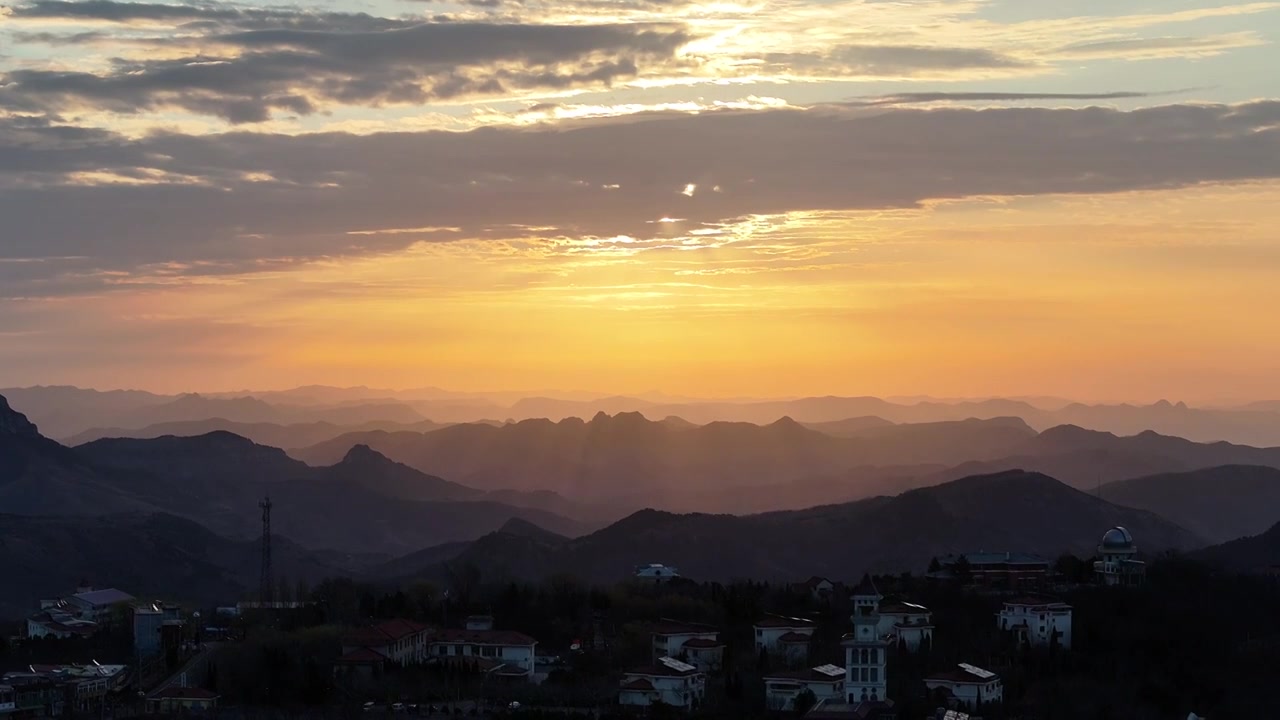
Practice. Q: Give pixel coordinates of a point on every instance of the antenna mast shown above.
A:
(264, 582)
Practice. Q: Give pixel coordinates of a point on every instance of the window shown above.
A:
(864, 675)
(875, 675)
(759, 632)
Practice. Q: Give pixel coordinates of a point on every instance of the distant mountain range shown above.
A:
(627, 459)
(1008, 512)
(297, 435)
(65, 412)
(1258, 553)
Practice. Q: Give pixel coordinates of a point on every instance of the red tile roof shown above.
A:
(638, 684)
(384, 633)
(1033, 601)
(807, 675)
(661, 671)
(783, 622)
(702, 643)
(362, 656)
(399, 629)
(483, 637)
(184, 693)
(794, 637)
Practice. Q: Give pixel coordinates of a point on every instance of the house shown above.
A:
(85, 687)
(1118, 566)
(1010, 570)
(969, 686)
(502, 652)
(59, 623)
(820, 588)
(866, 655)
(906, 624)
(398, 642)
(826, 682)
(668, 681)
(698, 645)
(96, 605)
(785, 637)
(1036, 621)
(149, 628)
(174, 700)
(656, 572)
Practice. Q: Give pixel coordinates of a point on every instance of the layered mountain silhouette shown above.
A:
(274, 434)
(626, 458)
(1218, 503)
(1008, 512)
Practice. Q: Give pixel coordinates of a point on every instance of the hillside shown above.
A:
(626, 458)
(1219, 503)
(149, 555)
(1014, 511)
(1258, 553)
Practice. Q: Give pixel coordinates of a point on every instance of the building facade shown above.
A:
(668, 682)
(906, 625)
(786, 638)
(656, 572)
(826, 682)
(968, 686)
(865, 648)
(698, 645)
(1039, 622)
(502, 652)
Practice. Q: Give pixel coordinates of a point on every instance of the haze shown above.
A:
(961, 198)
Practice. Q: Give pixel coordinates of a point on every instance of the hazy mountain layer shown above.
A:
(1219, 503)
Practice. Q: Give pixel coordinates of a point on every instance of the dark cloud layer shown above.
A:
(256, 62)
(240, 197)
(919, 98)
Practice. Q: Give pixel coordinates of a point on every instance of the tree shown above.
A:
(935, 566)
(804, 702)
(962, 570)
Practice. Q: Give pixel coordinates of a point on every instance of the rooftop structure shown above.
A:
(1118, 566)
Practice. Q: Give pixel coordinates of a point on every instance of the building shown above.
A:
(785, 637)
(820, 588)
(97, 605)
(175, 700)
(698, 645)
(668, 682)
(968, 686)
(1011, 570)
(8, 699)
(502, 652)
(865, 649)
(656, 572)
(1118, 566)
(396, 642)
(841, 710)
(1039, 622)
(150, 637)
(86, 688)
(57, 622)
(906, 624)
(826, 682)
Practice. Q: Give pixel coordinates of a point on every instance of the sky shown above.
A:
(701, 197)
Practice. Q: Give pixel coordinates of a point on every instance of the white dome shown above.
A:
(1117, 538)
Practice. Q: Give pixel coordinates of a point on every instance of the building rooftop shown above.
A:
(107, 596)
(822, 673)
(637, 684)
(702, 643)
(1035, 601)
(483, 637)
(665, 667)
(996, 558)
(794, 637)
(965, 673)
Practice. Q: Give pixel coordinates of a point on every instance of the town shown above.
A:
(658, 644)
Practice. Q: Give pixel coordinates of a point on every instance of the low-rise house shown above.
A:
(656, 572)
(906, 624)
(826, 682)
(785, 637)
(399, 642)
(668, 682)
(1035, 621)
(698, 645)
(502, 652)
(968, 686)
(820, 588)
(87, 687)
(174, 700)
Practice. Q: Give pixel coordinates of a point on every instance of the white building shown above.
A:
(786, 638)
(820, 588)
(657, 572)
(668, 681)
(826, 682)
(906, 624)
(864, 649)
(1118, 566)
(698, 645)
(1037, 621)
(971, 687)
(502, 652)
(399, 642)
(60, 624)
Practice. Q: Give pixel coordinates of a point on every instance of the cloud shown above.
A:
(894, 60)
(1159, 47)
(921, 98)
(297, 71)
(238, 199)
